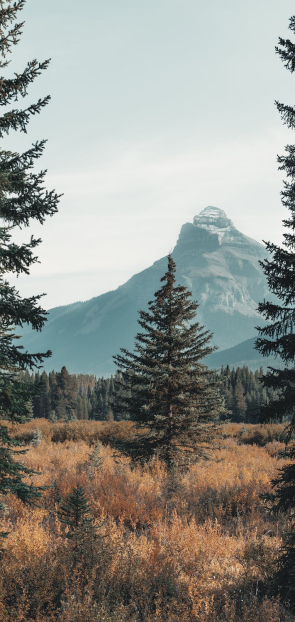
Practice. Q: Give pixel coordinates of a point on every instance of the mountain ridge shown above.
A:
(218, 263)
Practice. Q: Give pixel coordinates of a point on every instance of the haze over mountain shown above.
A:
(218, 263)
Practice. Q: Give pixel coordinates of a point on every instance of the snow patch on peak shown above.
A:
(212, 213)
(214, 220)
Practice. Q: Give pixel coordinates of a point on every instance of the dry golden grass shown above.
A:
(205, 554)
(60, 432)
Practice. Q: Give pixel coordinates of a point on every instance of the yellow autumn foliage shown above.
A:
(205, 553)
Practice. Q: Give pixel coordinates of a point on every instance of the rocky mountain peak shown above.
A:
(210, 229)
(213, 219)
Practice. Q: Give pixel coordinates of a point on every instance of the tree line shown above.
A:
(60, 395)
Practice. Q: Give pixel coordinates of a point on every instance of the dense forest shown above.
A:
(60, 395)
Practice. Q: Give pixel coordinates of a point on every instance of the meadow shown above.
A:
(204, 551)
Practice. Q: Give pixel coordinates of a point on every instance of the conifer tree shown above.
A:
(41, 399)
(239, 403)
(22, 199)
(168, 391)
(75, 513)
(278, 337)
(65, 398)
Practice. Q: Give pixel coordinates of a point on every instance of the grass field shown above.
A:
(205, 552)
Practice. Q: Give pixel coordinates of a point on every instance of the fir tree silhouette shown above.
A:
(165, 388)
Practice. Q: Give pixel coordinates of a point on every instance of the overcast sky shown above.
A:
(159, 108)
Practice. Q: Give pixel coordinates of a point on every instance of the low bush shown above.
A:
(60, 432)
(205, 552)
(250, 434)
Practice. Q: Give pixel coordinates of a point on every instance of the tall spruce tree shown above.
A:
(278, 337)
(22, 199)
(166, 389)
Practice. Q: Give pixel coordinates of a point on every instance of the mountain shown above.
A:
(218, 263)
(243, 354)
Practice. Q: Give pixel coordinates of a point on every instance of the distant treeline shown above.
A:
(244, 393)
(60, 395)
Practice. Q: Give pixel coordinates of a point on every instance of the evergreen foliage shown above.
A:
(64, 395)
(93, 398)
(22, 199)
(168, 392)
(101, 399)
(75, 513)
(244, 393)
(60, 395)
(278, 337)
(13, 471)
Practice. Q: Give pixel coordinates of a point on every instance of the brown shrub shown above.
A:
(206, 553)
(250, 434)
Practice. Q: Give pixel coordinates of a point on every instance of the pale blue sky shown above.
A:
(159, 108)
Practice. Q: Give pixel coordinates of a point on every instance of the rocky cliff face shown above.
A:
(221, 267)
(214, 260)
